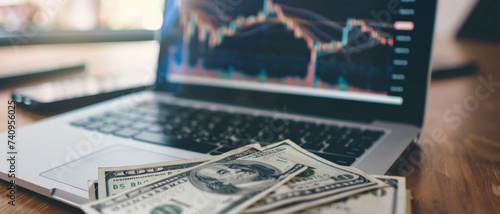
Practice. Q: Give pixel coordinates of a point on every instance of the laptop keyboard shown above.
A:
(216, 132)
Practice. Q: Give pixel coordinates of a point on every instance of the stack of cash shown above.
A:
(280, 178)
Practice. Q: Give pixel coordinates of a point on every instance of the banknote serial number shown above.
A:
(132, 184)
(11, 151)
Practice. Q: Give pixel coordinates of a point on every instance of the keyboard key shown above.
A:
(111, 120)
(263, 135)
(173, 142)
(309, 138)
(354, 131)
(340, 160)
(123, 123)
(150, 119)
(342, 150)
(328, 128)
(97, 118)
(359, 142)
(337, 142)
(108, 129)
(126, 132)
(140, 125)
(133, 118)
(296, 139)
(236, 143)
(372, 134)
(93, 125)
(307, 126)
(352, 151)
(315, 146)
(341, 132)
(123, 110)
(113, 114)
(366, 143)
(155, 128)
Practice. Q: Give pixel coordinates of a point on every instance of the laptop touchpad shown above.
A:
(76, 173)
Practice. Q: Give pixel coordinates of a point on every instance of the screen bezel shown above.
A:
(411, 111)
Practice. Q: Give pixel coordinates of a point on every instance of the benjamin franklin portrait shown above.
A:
(235, 177)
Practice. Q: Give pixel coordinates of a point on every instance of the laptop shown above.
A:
(345, 80)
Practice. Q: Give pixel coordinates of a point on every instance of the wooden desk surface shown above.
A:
(458, 173)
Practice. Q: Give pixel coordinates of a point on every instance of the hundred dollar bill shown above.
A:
(323, 182)
(227, 184)
(93, 190)
(113, 180)
(391, 200)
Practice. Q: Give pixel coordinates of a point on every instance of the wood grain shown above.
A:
(456, 174)
(461, 173)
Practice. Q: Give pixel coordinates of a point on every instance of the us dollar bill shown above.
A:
(391, 200)
(113, 180)
(323, 182)
(227, 184)
(93, 190)
(408, 202)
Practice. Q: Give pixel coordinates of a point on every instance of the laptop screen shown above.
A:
(355, 50)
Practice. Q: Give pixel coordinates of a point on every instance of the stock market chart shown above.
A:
(331, 45)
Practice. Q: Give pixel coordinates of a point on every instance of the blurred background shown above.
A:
(55, 21)
(78, 51)
(135, 18)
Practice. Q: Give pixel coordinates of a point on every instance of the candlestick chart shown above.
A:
(289, 43)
